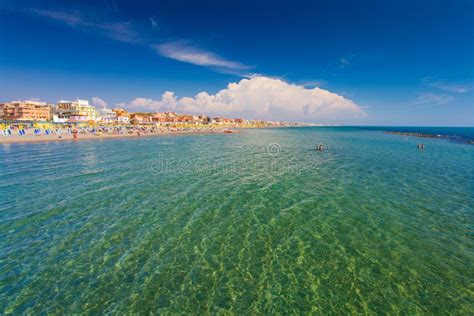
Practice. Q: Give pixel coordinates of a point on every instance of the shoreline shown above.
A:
(17, 139)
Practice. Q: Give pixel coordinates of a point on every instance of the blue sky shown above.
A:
(344, 62)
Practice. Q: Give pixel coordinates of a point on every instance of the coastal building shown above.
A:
(159, 118)
(108, 116)
(222, 120)
(62, 111)
(201, 119)
(75, 111)
(165, 117)
(26, 111)
(123, 117)
(83, 112)
(6, 111)
(216, 120)
(136, 119)
(183, 118)
(171, 117)
(141, 118)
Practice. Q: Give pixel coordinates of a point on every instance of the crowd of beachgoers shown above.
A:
(32, 133)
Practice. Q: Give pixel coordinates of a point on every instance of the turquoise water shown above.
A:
(248, 223)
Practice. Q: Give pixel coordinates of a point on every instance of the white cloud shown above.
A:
(168, 102)
(182, 52)
(433, 99)
(120, 31)
(260, 98)
(447, 86)
(98, 102)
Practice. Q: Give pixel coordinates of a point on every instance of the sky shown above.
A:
(336, 62)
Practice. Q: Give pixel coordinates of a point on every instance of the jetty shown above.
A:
(422, 135)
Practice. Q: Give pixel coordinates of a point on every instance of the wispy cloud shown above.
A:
(120, 31)
(343, 62)
(125, 32)
(346, 60)
(72, 19)
(433, 99)
(154, 23)
(447, 86)
(186, 53)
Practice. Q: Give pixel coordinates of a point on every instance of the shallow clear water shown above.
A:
(256, 222)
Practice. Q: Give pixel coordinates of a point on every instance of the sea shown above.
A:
(253, 222)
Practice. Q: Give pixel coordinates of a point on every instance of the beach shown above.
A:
(64, 136)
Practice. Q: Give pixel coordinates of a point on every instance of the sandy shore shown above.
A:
(88, 136)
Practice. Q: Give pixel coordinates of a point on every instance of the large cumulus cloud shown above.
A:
(259, 97)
